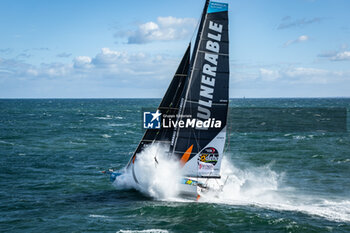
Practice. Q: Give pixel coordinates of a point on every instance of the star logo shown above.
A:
(151, 120)
(156, 115)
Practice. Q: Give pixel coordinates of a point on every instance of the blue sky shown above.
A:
(111, 49)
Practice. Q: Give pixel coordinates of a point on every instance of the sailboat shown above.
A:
(198, 95)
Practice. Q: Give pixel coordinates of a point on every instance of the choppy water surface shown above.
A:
(51, 152)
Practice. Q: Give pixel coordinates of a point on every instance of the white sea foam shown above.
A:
(341, 160)
(97, 216)
(258, 186)
(159, 180)
(263, 187)
(247, 186)
(144, 231)
(107, 117)
(118, 125)
(7, 143)
(299, 137)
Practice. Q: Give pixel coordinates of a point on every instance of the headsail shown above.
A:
(169, 105)
(206, 96)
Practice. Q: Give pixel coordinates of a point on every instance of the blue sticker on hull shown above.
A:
(217, 7)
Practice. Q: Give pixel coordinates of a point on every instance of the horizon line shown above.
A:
(77, 98)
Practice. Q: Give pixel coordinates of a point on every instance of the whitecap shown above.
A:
(317, 156)
(107, 117)
(263, 187)
(144, 231)
(7, 143)
(253, 186)
(97, 216)
(117, 125)
(298, 137)
(341, 160)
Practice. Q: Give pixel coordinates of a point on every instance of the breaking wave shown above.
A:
(258, 186)
(265, 188)
(144, 231)
(159, 179)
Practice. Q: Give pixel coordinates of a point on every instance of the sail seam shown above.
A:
(216, 72)
(170, 108)
(213, 103)
(221, 54)
(192, 153)
(148, 140)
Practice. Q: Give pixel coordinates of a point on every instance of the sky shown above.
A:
(131, 49)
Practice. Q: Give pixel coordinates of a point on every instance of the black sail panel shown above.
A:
(169, 105)
(206, 93)
(172, 96)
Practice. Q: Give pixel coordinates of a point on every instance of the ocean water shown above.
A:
(52, 152)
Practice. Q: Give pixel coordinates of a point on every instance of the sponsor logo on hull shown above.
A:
(209, 155)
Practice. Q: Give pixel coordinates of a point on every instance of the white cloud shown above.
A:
(164, 29)
(269, 75)
(108, 57)
(58, 70)
(336, 55)
(112, 62)
(128, 68)
(341, 56)
(300, 39)
(327, 54)
(287, 22)
(50, 70)
(141, 72)
(301, 71)
(303, 75)
(32, 72)
(82, 62)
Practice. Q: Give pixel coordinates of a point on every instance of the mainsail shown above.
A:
(206, 96)
(199, 90)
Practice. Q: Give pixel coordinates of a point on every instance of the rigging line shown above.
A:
(180, 83)
(196, 28)
(228, 129)
(224, 183)
(155, 156)
(158, 133)
(217, 182)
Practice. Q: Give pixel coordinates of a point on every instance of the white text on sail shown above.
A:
(211, 55)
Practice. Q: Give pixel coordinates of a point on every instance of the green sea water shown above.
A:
(52, 152)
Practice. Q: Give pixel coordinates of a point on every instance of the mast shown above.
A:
(200, 28)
